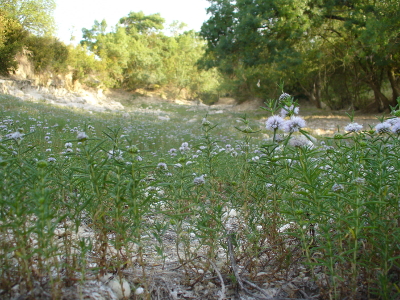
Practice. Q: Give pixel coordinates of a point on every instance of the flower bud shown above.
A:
(42, 164)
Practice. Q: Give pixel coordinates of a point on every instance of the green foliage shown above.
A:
(83, 63)
(12, 37)
(304, 42)
(138, 23)
(47, 53)
(136, 55)
(36, 16)
(89, 35)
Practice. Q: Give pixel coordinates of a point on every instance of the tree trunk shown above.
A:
(381, 101)
(394, 84)
(317, 91)
(374, 77)
(314, 94)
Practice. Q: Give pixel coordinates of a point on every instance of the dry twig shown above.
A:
(236, 271)
(223, 289)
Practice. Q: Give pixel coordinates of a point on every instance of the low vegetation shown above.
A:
(85, 196)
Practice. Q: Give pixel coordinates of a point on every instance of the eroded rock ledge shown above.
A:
(53, 94)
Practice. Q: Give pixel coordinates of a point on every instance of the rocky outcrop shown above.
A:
(57, 94)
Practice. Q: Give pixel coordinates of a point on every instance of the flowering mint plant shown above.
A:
(287, 121)
(353, 127)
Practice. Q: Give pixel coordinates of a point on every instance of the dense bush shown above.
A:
(47, 53)
(12, 41)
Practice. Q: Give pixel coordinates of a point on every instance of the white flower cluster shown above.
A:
(390, 125)
(15, 135)
(300, 141)
(230, 220)
(154, 192)
(82, 136)
(337, 187)
(274, 123)
(359, 181)
(199, 180)
(115, 154)
(353, 127)
(162, 166)
(229, 149)
(293, 124)
(284, 96)
(184, 147)
(173, 152)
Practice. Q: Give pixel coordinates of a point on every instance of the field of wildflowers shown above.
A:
(98, 202)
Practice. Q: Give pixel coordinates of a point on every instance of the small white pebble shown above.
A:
(139, 291)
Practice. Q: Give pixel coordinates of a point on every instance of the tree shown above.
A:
(90, 36)
(138, 23)
(36, 16)
(47, 53)
(371, 31)
(12, 37)
(137, 55)
(305, 40)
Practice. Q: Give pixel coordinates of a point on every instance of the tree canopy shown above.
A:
(12, 38)
(139, 23)
(136, 54)
(36, 16)
(306, 43)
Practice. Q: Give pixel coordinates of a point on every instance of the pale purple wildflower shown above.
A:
(300, 141)
(279, 138)
(359, 180)
(383, 127)
(172, 152)
(82, 136)
(184, 147)
(294, 124)
(116, 154)
(393, 121)
(353, 127)
(199, 180)
(274, 123)
(284, 96)
(396, 128)
(15, 135)
(337, 187)
(162, 165)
